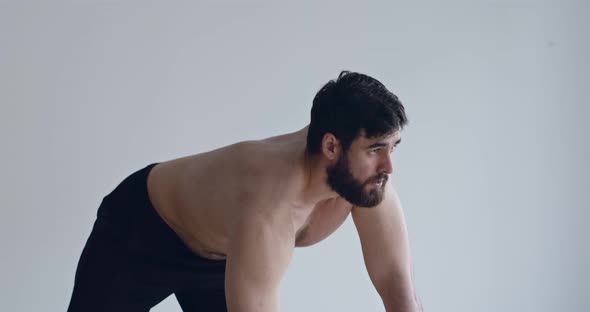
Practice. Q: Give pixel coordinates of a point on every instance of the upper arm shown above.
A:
(259, 252)
(384, 240)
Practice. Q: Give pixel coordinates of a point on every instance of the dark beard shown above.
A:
(340, 179)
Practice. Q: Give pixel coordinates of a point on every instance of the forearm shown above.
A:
(399, 296)
(410, 305)
(253, 306)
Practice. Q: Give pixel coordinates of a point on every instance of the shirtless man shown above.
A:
(218, 229)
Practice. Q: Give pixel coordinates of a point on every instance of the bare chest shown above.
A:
(322, 222)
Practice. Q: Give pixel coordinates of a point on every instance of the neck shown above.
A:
(315, 188)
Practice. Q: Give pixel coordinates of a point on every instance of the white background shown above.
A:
(492, 171)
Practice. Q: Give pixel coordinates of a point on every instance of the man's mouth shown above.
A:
(378, 182)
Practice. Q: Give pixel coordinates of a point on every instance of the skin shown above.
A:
(253, 202)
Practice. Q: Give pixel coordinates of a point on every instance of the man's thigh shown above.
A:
(109, 278)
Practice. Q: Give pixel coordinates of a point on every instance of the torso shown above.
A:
(198, 196)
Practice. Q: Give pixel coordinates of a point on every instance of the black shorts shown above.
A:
(133, 259)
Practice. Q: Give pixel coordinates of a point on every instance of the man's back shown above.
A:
(201, 196)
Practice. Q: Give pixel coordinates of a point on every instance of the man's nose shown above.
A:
(387, 165)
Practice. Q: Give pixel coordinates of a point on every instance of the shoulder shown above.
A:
(260, 169)
(270, 164)
(264, 204)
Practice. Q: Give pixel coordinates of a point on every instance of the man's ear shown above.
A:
(331, 147)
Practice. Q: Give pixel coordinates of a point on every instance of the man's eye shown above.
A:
(373, 151)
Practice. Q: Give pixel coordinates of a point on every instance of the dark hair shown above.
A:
(350, 103)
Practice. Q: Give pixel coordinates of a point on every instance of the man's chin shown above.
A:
(372, 195)
(371, 201)
(368, 205)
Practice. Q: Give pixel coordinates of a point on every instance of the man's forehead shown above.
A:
(394, 136)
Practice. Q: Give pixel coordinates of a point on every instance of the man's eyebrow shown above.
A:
(382, 144)
(378, 144)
